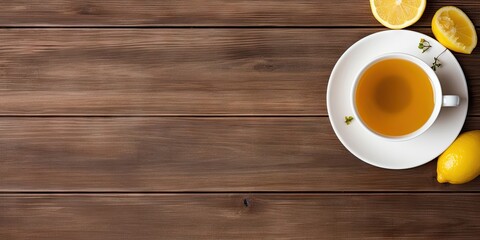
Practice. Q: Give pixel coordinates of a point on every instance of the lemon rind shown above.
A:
(450, 43)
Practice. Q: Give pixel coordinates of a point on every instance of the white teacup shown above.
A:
(371, 115)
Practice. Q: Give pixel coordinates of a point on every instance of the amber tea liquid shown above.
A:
(394, 97)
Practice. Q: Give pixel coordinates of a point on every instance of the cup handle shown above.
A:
(450, 101)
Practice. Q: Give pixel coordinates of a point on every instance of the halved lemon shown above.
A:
(397, 14)
(452, 28)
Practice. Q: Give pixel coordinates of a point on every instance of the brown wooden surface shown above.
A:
(225, 216)
(178, 71)
(206, 12)
(143, 119)
(193, 154)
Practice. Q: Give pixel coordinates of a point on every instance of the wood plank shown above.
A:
(193, 154)
(225, 216)
(205, 13)
(177, 71)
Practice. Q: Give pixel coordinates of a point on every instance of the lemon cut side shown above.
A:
(397, 14)
(453, 29)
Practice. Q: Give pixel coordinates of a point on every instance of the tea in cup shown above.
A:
(398, 97)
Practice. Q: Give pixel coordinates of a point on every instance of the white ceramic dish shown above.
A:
(376, 150)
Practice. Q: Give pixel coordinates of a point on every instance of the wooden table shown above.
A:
(196, 119)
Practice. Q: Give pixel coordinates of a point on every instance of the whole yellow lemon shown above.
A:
(460, 163)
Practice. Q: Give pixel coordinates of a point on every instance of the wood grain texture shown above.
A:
(193, 154)
(205, 13)
(85, 111)
(225, 216)
(177, 71)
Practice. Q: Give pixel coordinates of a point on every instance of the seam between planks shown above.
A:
(382, 192)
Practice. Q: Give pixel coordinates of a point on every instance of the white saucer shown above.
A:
(371, 148)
